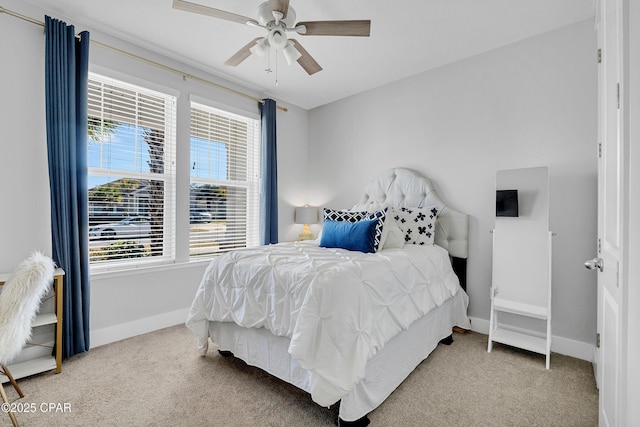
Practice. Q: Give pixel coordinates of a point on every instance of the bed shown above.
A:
(346, 326)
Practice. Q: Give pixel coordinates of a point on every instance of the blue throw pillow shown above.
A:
(354, 216)
(353, 236)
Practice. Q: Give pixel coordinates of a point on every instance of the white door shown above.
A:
(610, 224)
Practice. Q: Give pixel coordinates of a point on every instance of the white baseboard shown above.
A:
(561, 345)
(566, 346)
(137, 327)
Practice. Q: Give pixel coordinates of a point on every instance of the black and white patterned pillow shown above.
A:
(355, 216)
(417, 224)
(336, 215)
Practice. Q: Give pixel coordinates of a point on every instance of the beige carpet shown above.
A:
(158, 379)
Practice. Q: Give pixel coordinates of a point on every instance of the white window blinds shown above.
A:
(224, 186)
(131, 159)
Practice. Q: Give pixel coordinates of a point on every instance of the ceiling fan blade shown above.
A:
(242, 54)
(209, 11)
(306, 61)
(335, 28)
(281, 6)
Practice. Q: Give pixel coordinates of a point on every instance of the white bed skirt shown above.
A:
(384, 371)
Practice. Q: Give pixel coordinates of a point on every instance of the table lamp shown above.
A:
(306, 215)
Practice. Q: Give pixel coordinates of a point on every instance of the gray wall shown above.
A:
(532, 103)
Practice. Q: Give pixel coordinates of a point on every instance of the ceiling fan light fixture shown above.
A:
(277, 39)
(261, 48)
(290, 53)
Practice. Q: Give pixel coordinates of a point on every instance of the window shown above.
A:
(131, 192)
(224, 186)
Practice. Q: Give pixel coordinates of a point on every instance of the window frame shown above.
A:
(253, 169)
(168, 177)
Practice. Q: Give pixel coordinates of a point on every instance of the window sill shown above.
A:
(106, 272)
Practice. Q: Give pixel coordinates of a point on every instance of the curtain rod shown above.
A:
(148, 61)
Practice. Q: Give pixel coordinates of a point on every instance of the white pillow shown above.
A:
(417, 224)
(393, 237)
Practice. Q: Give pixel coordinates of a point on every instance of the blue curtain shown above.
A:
(269, 190)
(66, 78)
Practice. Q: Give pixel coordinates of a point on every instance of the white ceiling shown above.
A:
(407, 37)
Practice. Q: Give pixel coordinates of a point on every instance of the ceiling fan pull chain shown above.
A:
(276, 53)
(268, 69)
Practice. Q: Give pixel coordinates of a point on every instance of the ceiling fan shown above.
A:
(278, 18)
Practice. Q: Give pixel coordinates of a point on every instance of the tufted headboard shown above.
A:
(400, 187)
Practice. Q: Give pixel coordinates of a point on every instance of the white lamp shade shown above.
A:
(290, 53)
(261, 48)
(306, 215)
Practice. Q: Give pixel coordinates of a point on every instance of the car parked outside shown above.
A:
(132, 227)
(199, 217)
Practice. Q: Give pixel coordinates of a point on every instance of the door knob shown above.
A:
(594, 263)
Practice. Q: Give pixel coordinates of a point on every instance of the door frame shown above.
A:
(630, 351)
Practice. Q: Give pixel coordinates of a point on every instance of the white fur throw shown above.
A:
(19, 302)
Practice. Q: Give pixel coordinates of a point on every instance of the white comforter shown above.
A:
(338, 307)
